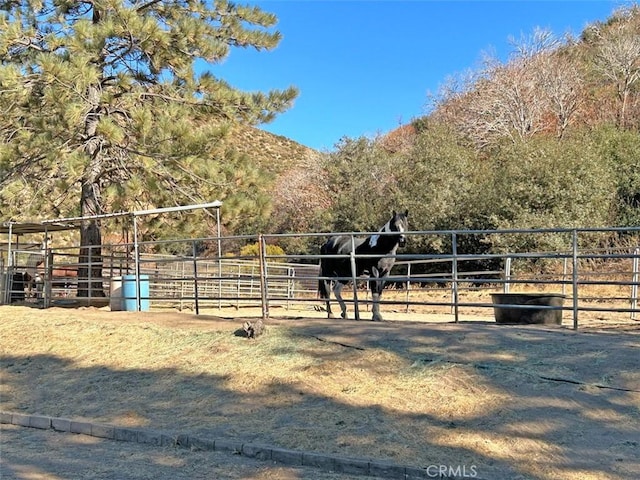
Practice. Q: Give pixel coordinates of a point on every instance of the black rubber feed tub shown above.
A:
(528, 308)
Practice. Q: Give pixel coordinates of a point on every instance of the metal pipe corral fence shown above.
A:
(600, 280)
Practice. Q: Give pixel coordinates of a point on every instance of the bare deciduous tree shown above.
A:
(561, 86)
(617, 55)
(538, 89)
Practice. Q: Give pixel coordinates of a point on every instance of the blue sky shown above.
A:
(366, 67)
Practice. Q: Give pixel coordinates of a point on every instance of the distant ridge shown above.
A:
(275, 153)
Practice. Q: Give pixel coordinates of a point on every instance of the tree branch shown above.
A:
(147, 5)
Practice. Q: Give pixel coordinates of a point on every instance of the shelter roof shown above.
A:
(23, 228)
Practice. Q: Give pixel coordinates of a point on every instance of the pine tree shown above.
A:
(103, 108)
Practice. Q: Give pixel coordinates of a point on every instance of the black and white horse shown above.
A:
(374, 256)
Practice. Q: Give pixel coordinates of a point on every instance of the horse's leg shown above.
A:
(28, 282)
(376, 284)
(329, 312)
(337, 290)
(327, 289)
(39, 282)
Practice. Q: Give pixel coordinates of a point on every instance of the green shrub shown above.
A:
(253, 250)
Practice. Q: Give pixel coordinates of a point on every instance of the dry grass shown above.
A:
(425, 303)
(414, 394)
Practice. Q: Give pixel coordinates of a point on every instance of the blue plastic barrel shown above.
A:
(129, 302)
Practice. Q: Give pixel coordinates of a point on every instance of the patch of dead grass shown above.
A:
(287, 389)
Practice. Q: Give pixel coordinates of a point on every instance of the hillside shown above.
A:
(549, 86)
(275, 153)
(296, 189)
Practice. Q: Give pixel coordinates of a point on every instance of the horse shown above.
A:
(374, 256)
(33, 267)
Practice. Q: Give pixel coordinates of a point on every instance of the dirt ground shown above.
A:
(513, 402)
(28, 453)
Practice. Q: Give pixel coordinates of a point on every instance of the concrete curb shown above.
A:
(333, 463)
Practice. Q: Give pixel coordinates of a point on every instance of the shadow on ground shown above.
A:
(568, 404)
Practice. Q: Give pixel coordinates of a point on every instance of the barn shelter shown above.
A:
(17, 254)
(19, 259)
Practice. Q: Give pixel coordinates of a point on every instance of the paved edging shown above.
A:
(338, 464)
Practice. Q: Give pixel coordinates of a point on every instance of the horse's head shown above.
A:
(397, 226)
(400, 223)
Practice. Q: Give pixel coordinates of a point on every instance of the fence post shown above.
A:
(47, 290)
(575, 279)
(354, 277)
(565, 267)
(195, 278)
(408, 286)
(454, 272)
(136, 251)
(219, 258)
(291, 274)
(182, 284)
(239, 283)
(634, 283)
(90, 271)
(507, 275)
(263, 277)
(9, 270)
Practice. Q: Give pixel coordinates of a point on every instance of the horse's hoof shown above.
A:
(377, 318)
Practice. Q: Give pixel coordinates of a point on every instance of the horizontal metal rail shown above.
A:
(592, 279)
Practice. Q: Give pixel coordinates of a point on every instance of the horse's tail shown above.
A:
(323, 288)
(323, 284)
